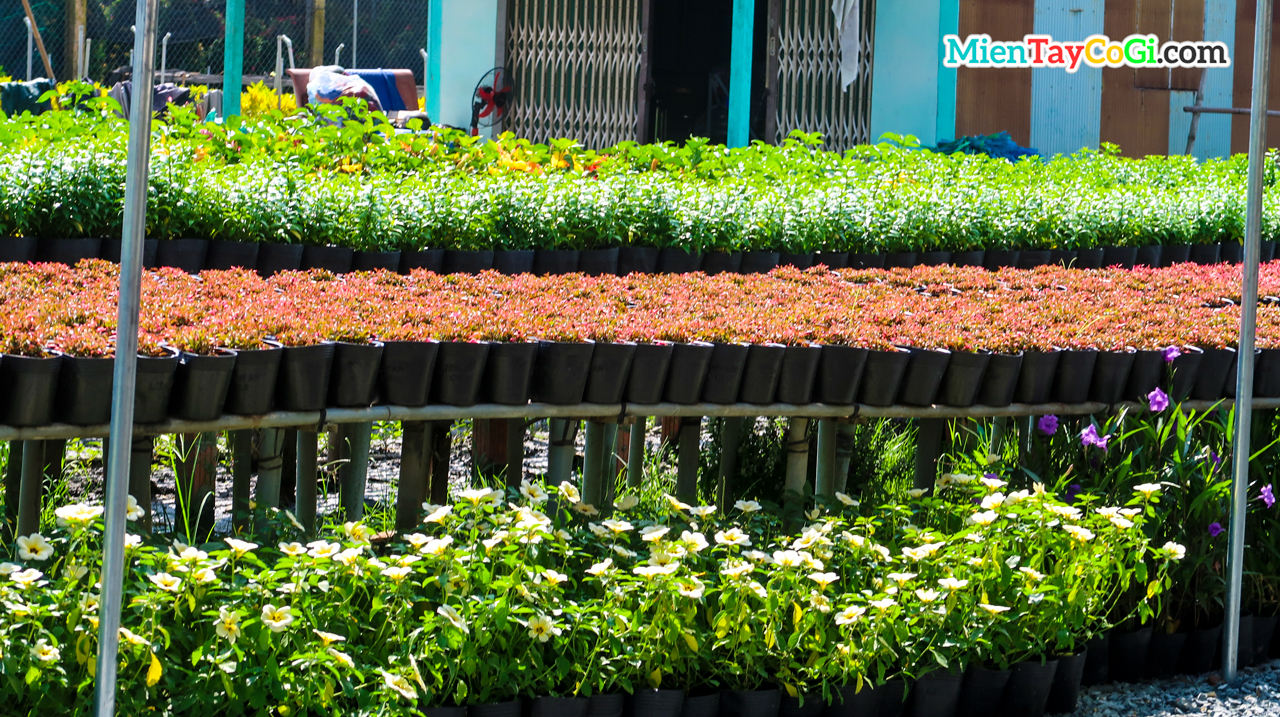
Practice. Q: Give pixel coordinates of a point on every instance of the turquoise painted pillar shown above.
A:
(744, 15)
(233, 59)
(431, 92)
(904, 70)
(948, 24)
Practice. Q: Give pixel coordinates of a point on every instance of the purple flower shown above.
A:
(1216, 529)
(1089, 437)
(1074, 490)
(1267, 496)
(1171, 353)
(1048, 425)
(1159, 400)
(1217, 459)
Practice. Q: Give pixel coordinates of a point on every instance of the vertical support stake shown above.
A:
(32, 487)
(635, 452)
(825, 478)
(413, 474)
(307, 479)
(241, 473)
(270, 465)
(688, 458)
(354, 474)
(928, 448)
(731, 429)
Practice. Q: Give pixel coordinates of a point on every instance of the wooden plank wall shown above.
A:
(991, 100)
(1242, 86)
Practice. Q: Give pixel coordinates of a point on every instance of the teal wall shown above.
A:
(462, 41)
(948, 24)
(904, 81)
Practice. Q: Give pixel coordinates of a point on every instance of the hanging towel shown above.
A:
(384, 85)
(849, 26)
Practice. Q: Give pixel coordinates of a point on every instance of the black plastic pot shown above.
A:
(231, 254)
(1200, 650)
(303, 382)
(154, 387)
(1171, 254)
(1233, 374)
(1205, 253)
(678, 261)
(839, 374)
(901, 259)
(648, 374)
(353, 381)
(375, 260)
(976, 257)
(758, 262)
(253, 381)
(937, 694)
(1027, 691)
(657, 703)
(1001, 258)
(1164, 653)
(882, 376)
(404, 376)
(428, 259)
(1148, 255)
(1064, 694)
(797, 375)
(1211, 379)
(688, 371)
(934, 258)
(1121, 256)
(598, 262)
(1097, 660)
(753, 703)
(1074, 376)
(1232, 252)
(508, 372)
(83, 396)
(1129, 650)
(858, 260)
(963, 378)
(611, 705)
(444, 711)
(760, 374)
(109, 250)
(1267, 251)
(458, 372)
(1145, 374)
(800, 261)
(1111, 376)
(18, 249)
(200, 385)
(1035, 379)
(923, 377)
(805, 705)
(555, 261)
(884, 700)
(496, 709)
(336, 259)
(707, 705)
(513, 261)
(1244, 649)
(607, 376)
(1185, 369)
(1031, 258)
(1090, 258)
(980, 691)
(1264, 629)
(560, 372)
(831, 259)
(68, 251)
(637, 260)
(464, 261)
(185, 254)
(274, 258)
(1000, 381)
(724, 373)
(720, 262)
(558, 707)
(1062, 257)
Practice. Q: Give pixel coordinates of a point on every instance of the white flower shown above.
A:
(585, 509)
(293, 519)
(963, 478)
(165, 581)
(676, 503)
(992, 501)
(228, 667)
(986, 517)
(88, 602)
(26, 578)
(533, 492)
(34, 547)
(1065, 511)
(569, 492)
(1083, 535)
(736, 568)
(993, 609)
(417, 540)
(1177, 552)
(927, 595)
(348, 557)
(553, 577)
(397, 572)
(654, 532)
(343, 658)
(204, 576)
(623, 551)
(239, 546)
(436, 546)
(192, 554)
(952, 583)
(626, 502)
(1018, 496)
(438, 514)
(618, 526)
(44, 652)
(450, 614)
(847, 500)
(601, 567)
(917, 492)
(702, 511)
(278, 619)
(733, 536)
(901, 578)
(883, 604)
(1107, 512)
(787, 558)
(359, 532)
(823, 579)
(542, 628)
(228, 624)
(1130, 512)
(747, 506)
(992, 483)
(850, 614)
(598, 530)
(758, 556)
(328, 638)
(77, 514)
(133, 511)
(293, 549)
(132, 541)
(399, 685)
(132, 637)
(1122, 523)
(322, 550)
(691, 589)
(758, 589)
(475, 496)
(1147, 489)
(650, 571)
(697, 542)
(1032, 573)
(495, 539)
(820, 602)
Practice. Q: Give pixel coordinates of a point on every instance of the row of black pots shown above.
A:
(1147, 653)
(194, 255)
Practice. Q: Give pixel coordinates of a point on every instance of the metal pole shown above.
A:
(635, 452)
(79, 51)
(32, 488)
(825, 477)
(279, 68)
(688, 457)
(164, 56)
(289, 44)
(355, 29)
(31, 42)
(1248, 329)
(126, 364)
(337, 53)
(593, 464)
(353, 476)
(414, 464)
(421, 51)
(88, 52)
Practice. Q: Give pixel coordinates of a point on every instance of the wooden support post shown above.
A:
(687, 461)
(669, 432)
(489, 446)
(32, 488)
(76, 18)
(635, 452)
(928, 448)
(560, 450)
(441, 448)
(308, 478)
(797, 458)
(270, 463)
(609, 469)
(414, 465)
(353, 475)
(731, 429)
(844, 453)
(998, 428)
(12, 489)
(593, 466)
(516, 429)
(241, 474)
(140, 478)
(824, 483)
(315, 34)
(289, 468)
(197, 471)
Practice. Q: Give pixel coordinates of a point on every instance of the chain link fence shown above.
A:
(389, 34)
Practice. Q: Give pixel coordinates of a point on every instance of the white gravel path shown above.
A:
(1256, 694)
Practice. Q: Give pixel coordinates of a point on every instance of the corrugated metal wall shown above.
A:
(1059, 127)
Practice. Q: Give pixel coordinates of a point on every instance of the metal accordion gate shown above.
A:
(804, 72)
(577, 67)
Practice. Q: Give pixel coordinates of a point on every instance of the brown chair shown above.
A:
(404, 83)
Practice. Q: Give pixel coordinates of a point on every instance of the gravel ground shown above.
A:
(1256, 694)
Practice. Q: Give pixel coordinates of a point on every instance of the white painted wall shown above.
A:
(463, 44)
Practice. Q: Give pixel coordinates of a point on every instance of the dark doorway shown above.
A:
(689, 68)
